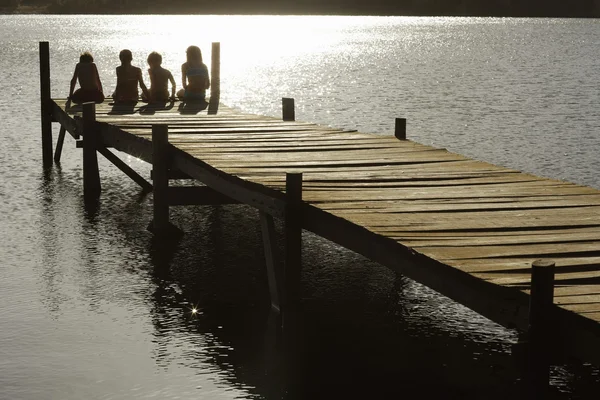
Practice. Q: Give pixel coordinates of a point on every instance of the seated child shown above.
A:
(159, 79)
(89, 81)
(194, 76)
(128, 78)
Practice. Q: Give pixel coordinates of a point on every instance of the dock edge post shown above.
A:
(400, 129)
(293, 246)
(540, 330)
(288, 109)
(215, 70)
(45, 103)
(91, 174)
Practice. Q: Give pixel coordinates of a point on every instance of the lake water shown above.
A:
(92, 308)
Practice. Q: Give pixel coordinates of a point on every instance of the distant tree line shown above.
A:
(513, 8)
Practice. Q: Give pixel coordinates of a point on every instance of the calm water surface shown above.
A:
(92, 308)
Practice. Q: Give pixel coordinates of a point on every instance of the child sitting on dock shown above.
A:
(89, 81)
(194, 76)
(159, 79)
(128, 78)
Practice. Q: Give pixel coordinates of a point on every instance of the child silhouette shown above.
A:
(86, 73)
(159, 79)
(128, 78)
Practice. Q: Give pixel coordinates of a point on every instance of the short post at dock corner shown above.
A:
(46, 109)
(215, 71)
(540, 332)
(91, 173)
(288, 109)
(400, 129)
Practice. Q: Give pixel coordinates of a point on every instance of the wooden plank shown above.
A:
(505, 306)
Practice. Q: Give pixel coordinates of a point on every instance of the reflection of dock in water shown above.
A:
(467, 229)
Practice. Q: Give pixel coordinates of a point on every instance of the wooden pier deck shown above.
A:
(468, 229)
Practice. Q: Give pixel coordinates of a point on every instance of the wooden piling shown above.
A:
(272, 260)
(46, 109)
(59, 144)
(215, 70)
(91, 174)
(540, 326)
(293, 242)
(400, 131)
(160, 168)
(288, 109)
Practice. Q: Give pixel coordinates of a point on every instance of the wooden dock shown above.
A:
(467, 229)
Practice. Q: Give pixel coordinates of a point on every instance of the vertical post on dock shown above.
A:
(288, 109)
(46, 110)
(160, 177)
(400, 130)
(293, 244)
(540, 331)
(215, 70)
(91, 174)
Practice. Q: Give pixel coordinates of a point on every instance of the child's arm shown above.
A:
(142, 85)
(74, 80)
(183, 77)
(116, 92)
(207, 82)
(172, 80)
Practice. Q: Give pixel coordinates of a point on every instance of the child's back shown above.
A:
(86, 76)
(159, 79)
(86, 73)
(128, 78)
(127, 83)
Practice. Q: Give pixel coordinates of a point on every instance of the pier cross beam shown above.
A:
(46, 109)
(91, 174)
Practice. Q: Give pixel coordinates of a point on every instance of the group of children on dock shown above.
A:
(194, 76)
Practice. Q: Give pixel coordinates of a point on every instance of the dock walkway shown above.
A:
(467, 229)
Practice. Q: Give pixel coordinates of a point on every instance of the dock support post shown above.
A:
(288, 109)
(272, 260)
(293, 245)
(46, 109)
(91, 174)
(215, 70)
(400, 130)
(540, 332)
(160, 168)
(160, 225)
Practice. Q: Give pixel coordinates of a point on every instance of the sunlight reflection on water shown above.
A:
(91, 306)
